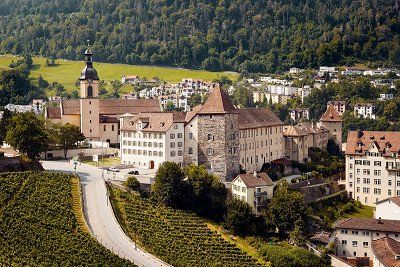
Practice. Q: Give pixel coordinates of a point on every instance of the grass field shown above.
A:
(67, 72)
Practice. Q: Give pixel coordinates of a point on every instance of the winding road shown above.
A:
(100, 216)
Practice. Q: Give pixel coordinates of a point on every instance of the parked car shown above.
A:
(134, 172)
(113, 169)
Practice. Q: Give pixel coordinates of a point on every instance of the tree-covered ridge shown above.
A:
(250, 35)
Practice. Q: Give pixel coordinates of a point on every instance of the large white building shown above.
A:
(364, 110)
(355, 237)
(372, 166)
(149, 139)
(216, 135)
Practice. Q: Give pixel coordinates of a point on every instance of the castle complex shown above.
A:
(97, 118)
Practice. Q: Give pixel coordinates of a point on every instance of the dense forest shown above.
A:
(241, 35)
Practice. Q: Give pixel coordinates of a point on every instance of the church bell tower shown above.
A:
(89, 102)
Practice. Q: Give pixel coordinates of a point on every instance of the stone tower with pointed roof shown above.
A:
(332, 121)
(218, 135)
(89, 102)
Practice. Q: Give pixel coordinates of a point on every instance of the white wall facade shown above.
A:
(371, 177)
(387, 210)
(260, 145)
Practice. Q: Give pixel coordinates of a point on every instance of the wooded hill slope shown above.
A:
(241, 35)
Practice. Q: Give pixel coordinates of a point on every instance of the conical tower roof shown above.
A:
(218, 102)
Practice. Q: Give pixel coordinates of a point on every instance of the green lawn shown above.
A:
(67, 72)
(361, 212)
(106, 162)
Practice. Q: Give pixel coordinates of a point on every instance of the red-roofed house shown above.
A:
(372, 166)
(254, 189)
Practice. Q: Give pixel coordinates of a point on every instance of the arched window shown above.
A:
(90, 91)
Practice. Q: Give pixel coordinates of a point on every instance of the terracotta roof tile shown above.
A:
(386, 249)
(331, 114)
(191, 114)
(294, 130)
(369, 224)
(395, 200)
(70, 107)
(155, 121)
(360, 141)
(218, 102)
(257, 117)
(54, 113)
(121, 106)
(250, 180)
(114, 106)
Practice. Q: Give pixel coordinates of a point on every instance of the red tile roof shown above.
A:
(54, 113)
(250, 180)
(331, 115)
(386, 249)
(218, 102)
(395, 200)
(257, 117)
(392, 226)
(114, 106)
(360, 141)
(155, 121)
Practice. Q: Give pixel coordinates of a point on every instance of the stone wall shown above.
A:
(223, 130)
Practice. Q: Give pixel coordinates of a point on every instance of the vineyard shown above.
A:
(177, 237)
(39, 228)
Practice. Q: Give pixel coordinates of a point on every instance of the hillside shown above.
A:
(249, 35)
(67, 72)
(168, 232)
(41, 223)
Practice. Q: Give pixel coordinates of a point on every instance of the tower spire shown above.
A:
(89, 71)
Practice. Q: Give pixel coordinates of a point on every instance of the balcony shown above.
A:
(259, 194)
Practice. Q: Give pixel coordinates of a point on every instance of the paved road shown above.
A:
(100, 216)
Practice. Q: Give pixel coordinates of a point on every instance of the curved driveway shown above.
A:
(100, 216)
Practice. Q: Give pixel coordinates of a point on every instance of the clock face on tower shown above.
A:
(90, 81)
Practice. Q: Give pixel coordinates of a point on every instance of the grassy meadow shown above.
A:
(67, 72)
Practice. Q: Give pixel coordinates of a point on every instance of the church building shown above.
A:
(97, 118)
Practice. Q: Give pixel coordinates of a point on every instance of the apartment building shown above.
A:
(260, 138)
(254, 189)
(149, 139)
(299, 138)
(364, 110)
(338, 105)
(361, 237)
(298, 114)
(372, 166)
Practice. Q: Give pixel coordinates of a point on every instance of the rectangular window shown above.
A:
(344, 242)
(210, 137)
(179, 135)
(377, 163)
(365, 244)
(210, 151)
(354, 243)
(190, 135)
(190, 150)
(172, 136)
(112, 127)
(172, 145)
(179, 144)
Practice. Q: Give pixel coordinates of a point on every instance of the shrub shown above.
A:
(132, 183)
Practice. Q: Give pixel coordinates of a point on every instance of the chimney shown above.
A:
(359, 133)
(380, 221)
(255, 174)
